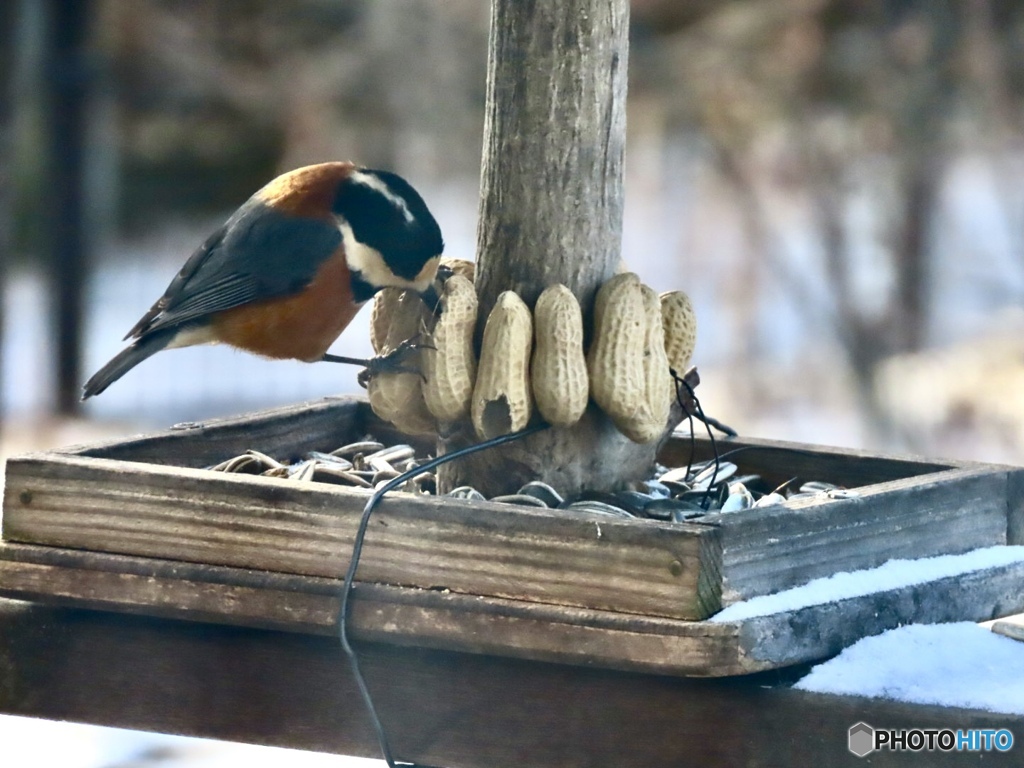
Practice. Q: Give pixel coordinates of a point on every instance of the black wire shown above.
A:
(357, 549)
(693, 434)
(705, 500)
(725, 429)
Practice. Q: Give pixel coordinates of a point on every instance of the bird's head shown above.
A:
(390, 237)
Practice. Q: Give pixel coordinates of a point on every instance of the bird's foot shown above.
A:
(394, 361)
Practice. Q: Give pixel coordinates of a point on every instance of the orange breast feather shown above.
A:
(300, 327)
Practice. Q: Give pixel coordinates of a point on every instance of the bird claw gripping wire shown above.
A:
(393, 361)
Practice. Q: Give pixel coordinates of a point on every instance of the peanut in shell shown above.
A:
(502, 400)
(397, 397)
(651, 421)
(679, 322)
(558, 370)
(449, 362)
(628, 369)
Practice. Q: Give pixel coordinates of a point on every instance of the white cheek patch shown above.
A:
(370, 264)
(374, 183)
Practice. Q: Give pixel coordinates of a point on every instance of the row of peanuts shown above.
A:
(532, 360)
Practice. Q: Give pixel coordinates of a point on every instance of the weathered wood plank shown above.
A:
(772, 548)
(820, 631)
(439, 708)
(326, 423)
(779, 461)
(275, 525)
(480, 625)
(1015, 506)
(401, 615)
(282, 432)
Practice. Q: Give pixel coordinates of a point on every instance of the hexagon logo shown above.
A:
(861, 739)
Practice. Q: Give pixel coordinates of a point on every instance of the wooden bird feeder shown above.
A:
(139, 526)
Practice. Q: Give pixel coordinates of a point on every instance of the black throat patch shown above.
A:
(362, 291)
(397, 223)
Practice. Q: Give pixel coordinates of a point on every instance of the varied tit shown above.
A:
(289, 270)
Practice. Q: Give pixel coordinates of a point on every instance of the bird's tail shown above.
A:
(125, 360)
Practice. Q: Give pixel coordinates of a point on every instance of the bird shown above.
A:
(288, 271)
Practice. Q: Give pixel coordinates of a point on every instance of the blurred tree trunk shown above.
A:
(67, 80)
(913, 274)
(551, 211)
(8, 20)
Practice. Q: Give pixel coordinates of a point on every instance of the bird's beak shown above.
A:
(432, 296)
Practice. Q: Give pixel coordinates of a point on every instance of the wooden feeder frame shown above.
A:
(138, 526)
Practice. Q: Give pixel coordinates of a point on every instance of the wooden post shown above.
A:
(551, 211)
(554, 139)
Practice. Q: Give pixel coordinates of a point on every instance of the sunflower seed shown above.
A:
(817, 486)
(599, 508)
(328, 473)
(364, 447)
(707, 499)
(633, 502)
(522, 499)
(842, 493)
(383, 476)
(302, 472)
(467, 492)
(656, 488)
(378, 464)
(676, 488)
(677, 475)
(548, 495)
(770, 499)
(241, 463)
(739, 499)
(713, 475)
(394, 453)
(672, 509)
(267, 461)
(328, 458)
(687, 512)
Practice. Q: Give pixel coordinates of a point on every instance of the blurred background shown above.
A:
(833, 181)
(836, 183)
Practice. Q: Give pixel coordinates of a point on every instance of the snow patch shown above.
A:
(894, 574)
(949, 665)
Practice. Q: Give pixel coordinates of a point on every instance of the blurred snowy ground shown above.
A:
(30, 743)
(768, 368)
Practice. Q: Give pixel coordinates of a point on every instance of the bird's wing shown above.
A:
(258, 254)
